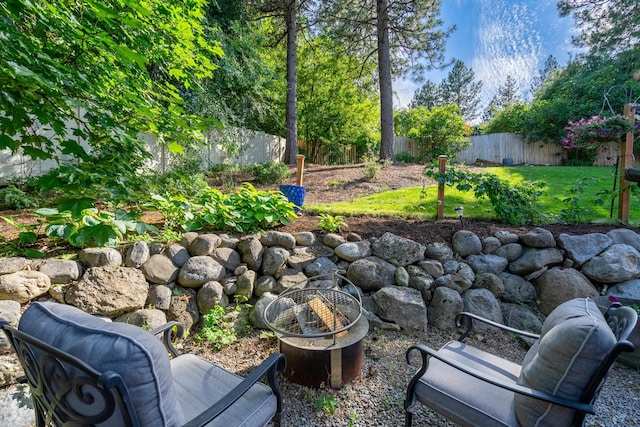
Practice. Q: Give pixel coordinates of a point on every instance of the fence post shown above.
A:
(626, 161)
(442, 162)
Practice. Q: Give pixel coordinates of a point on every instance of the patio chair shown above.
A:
(556, 385)
(83, 370)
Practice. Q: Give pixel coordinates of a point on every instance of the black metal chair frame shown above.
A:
(59, 376)
(621, 320)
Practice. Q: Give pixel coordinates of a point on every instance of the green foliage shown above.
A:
(513, 204)
(248, 91)
(404, 157)
(103, 228)
(604, 26)
(371, 166)
(461, 89)
(337, 100)
(247, 209)
(115, 68)
(332, 224)
(575, 209)
(270, 172)
(438, 131)
(326, 404)
(24, 244)
(15, 197)
(217, 329)
(511, 118)
(576, 91)
(592, 132)
(103, 175)
(178, 181)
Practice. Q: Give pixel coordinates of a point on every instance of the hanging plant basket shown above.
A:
(597, 130)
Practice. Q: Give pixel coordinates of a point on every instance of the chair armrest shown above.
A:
(470, 317)
(167, 334)
(427, 352)
(269, 367)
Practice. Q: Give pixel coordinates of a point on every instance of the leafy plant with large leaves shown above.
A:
(113, 68)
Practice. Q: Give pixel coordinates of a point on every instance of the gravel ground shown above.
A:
(376, 397)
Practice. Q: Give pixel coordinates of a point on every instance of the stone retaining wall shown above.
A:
(512, 279)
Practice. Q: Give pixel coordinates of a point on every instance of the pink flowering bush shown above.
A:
(590, 133)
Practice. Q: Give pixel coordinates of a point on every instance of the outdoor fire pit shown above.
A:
(320, 331)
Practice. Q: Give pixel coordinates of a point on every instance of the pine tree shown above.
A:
(428, 95)
(461, 89)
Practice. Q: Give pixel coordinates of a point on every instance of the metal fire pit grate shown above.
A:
(313, 312)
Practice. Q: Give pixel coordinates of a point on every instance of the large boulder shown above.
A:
(278, 238)
(199, 270)
(484, 304)
(109, 291)
(487, 263)
(251, 250)
(24, 285)
(538, 238)
(466, 243)
(558, 285)
(517, 289)
(617, 263)
(533, 259)
(404, 306)
(582, 248)
(398, 250)
(159, 269)
(274, 260)
(371, 273)
(351, 251)
(445, 305)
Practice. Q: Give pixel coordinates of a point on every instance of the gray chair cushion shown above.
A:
(574, 340)
(463, 398)
(199, 384)
(139, 357)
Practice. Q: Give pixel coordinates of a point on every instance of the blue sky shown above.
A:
(497, 38)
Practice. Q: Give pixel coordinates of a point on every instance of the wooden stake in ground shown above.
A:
(300, 169)
(442, 160)
(626, 161)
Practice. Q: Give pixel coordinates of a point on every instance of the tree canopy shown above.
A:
(605, 26)
(438, 131)
(407, 31)
(116, 68)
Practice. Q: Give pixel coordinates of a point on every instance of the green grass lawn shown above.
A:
(561, 182)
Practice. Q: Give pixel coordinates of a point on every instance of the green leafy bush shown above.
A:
(14, 197)
(404, 157)
(371, 166)
(88, 225)
(270, 172)
(247, 209)
(330, 223)
(513, 204)
(216, 329)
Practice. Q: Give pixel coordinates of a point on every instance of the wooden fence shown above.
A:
(254, 147)
(259, 147)
(495, 147)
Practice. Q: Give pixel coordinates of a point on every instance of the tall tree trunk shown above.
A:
(384, 76)
(292, 82)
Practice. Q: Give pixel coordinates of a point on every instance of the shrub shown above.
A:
(270, 172)
(513, 203)
(404, 157)
(371, 166)
(330, 223)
